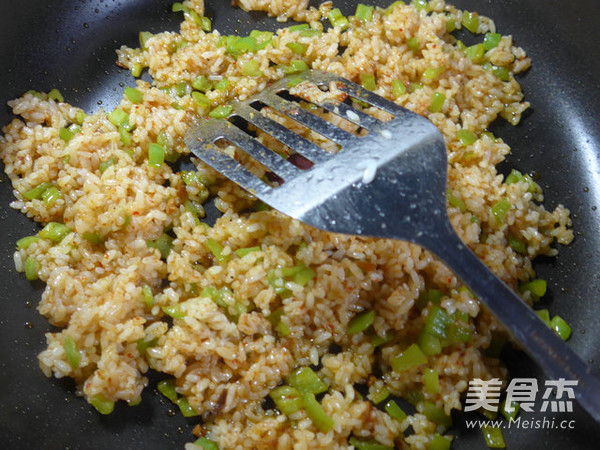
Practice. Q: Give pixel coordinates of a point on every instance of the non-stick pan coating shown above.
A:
(70, 45)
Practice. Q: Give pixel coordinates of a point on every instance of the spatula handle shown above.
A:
(550, 352)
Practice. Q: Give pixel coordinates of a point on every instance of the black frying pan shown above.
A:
(70, 44)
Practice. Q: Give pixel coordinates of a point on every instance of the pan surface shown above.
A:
(70, 45)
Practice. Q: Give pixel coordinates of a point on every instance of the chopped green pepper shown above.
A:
(439, 442)
(163, 244)
(185, 407)
(206, 444)
(174, 311)
(437, 102)
(408, 359)
(361, 322)
(364, 13)
(102, 404)
(55, 95)
(317, 414)
(500, 209)
(491, 40)
(287, 399)
(71, 352)
(54, 231)
(167, 388)
(31, 268)
(156, 155)
(493, 437)
(221, 112)
(560, 327)
(134, 95)
(370, 444)
(392, 408)
(470, 20)
(304, 379)
(338, 20)
(25, 242)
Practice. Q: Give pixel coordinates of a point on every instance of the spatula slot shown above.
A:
(331, 111)
(308, 135)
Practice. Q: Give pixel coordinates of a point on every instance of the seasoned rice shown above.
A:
(226, 353)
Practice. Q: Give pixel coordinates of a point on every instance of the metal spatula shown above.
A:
(387, 183)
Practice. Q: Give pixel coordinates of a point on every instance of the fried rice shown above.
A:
(135, 280)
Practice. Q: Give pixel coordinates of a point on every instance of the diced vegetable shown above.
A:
(455, 201)
(501, 73)
(408, 359)
(517, 244)
(31, 268)
(102, 404)
(491, 40)
(297, 47)
(206, 444)
(25, 242)
(251, 69)
(476, 53)
(124, 136)
(304, 379)
(370, 444)
(174, 311)
(156, 155)
(287, 399)
(221, 111)
(50, 195)
(94, 238)
(338, 20)
(379, 395)
(55, 95)
(147, 296)
(437, 102)
(241, 252)
(537, 287)
(413, 44)
(500, 209)
(434, 413)
(431, 381)
(134, 95)
(167, 388)
(295, 66)
(421, 5)
(493, 437)
(560, 327)
(317, 414)
(143, 37)
(392, 408)
(398, 88)
(514, 410)
(466, 137)
(364, 13)
(185, 407)
(217, 250)
(118, 117)
(361, 322)
(36, 192)
(54, 231)
(163, 244)
(432, 73)
(440, 442)
(437, 321)
(71, 352)
(544, 314)
(429, 344)
(470, 20)
(106, 164)
(368, 81)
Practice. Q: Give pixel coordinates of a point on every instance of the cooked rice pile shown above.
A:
(229, 328)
